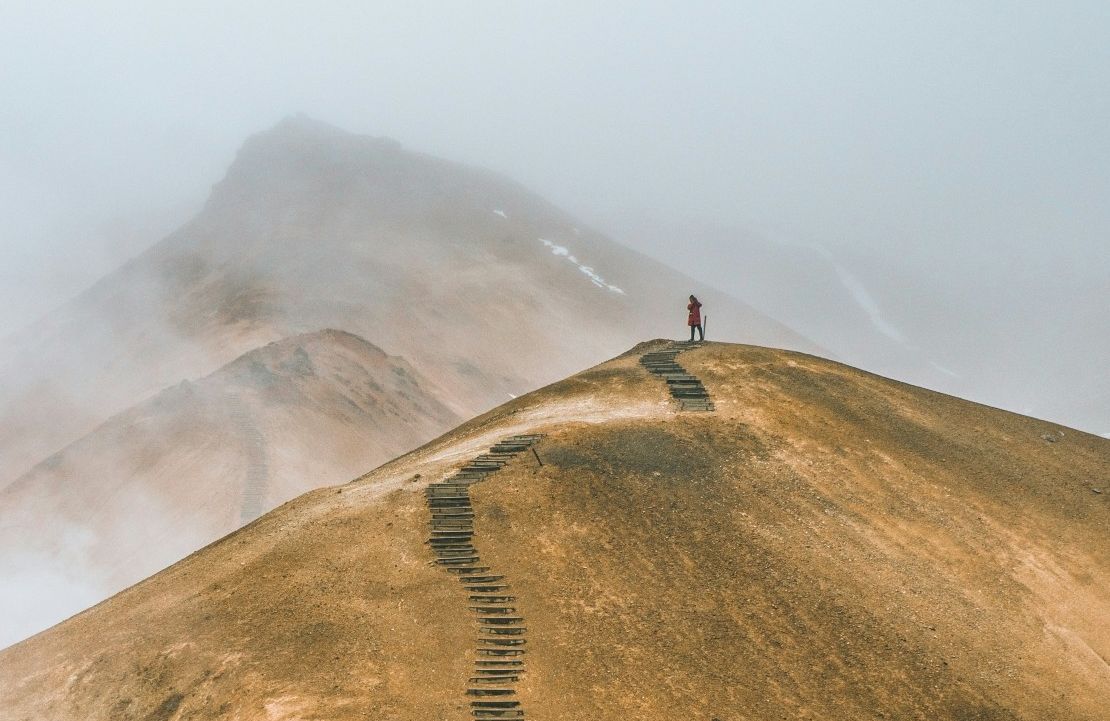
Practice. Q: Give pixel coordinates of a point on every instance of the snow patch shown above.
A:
(862, 297)
(942, 369)
(590, 273)
(563, 251)
(1106, 435)
(556, 249)
(500, 212)
(865, 301)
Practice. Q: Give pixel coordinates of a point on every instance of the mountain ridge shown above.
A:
(435, 261)
(826, 544)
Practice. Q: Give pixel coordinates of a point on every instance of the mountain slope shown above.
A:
(487, 289)
(827, 544)
(928, 317)
(193, 463)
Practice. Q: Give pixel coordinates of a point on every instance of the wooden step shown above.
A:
(499, 679)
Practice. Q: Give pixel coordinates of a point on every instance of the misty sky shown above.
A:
(961, 130)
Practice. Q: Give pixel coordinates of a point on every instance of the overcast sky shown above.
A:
(962, 130)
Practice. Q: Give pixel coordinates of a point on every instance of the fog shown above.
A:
(953, 129)
(943, 167)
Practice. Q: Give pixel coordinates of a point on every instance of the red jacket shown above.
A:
(695, 313)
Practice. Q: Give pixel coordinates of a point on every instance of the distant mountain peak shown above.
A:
(303, 121)
(301, 128)
(279, 162)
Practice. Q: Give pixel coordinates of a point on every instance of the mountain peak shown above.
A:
(298, 153)
(302, 122)
(301, 129)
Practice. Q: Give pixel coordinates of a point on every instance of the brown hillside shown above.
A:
(826, 544)
(193, 463)
(313, 227)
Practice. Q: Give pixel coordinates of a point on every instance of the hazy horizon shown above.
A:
(957, 136)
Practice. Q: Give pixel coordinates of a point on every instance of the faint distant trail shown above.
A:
(685, 387)
(501, 633)
(254, 487)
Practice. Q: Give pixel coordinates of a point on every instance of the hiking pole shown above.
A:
(704, 325)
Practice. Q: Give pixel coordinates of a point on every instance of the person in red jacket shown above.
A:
(694, 319)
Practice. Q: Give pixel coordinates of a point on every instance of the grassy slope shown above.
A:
(829, 544)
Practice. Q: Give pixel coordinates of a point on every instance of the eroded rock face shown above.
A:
(823, 543)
